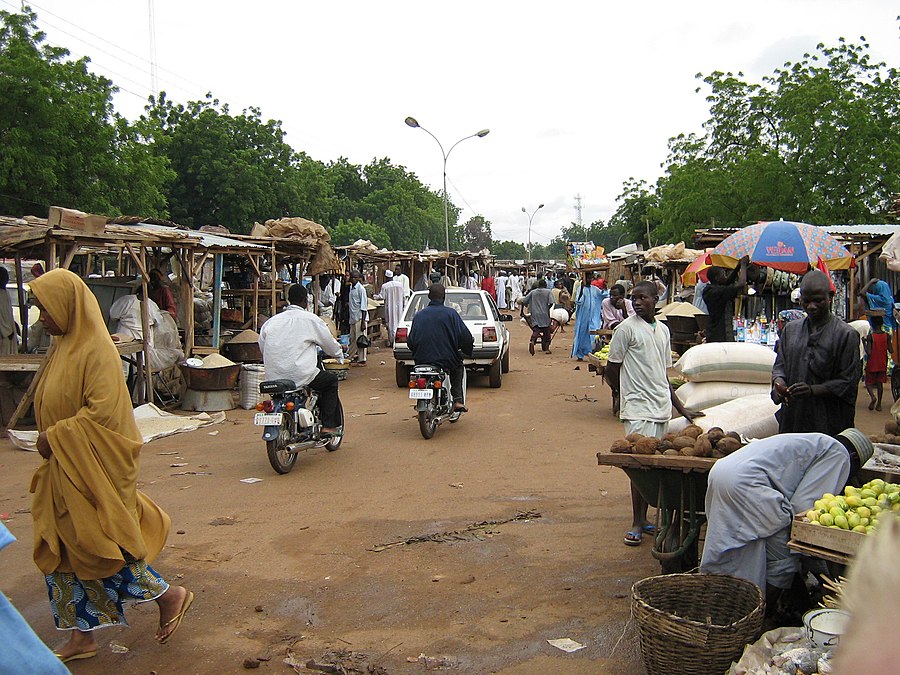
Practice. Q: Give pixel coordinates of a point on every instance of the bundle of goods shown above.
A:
(667, 252)
(857, 509)
(752, 417)
(691, 441)
(717, 372)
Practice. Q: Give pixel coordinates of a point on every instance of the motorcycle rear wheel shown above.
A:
(427, 423)
(282, 459)
(335, 442)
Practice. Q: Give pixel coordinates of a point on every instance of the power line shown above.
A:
(113, 44)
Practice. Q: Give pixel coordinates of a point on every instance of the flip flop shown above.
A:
(633, 538)
(649, 529)
(76, 657)
(185, 606)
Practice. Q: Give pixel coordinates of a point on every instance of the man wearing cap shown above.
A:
(754, 493)
(393, 296)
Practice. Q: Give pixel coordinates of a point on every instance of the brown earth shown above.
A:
(286, 564)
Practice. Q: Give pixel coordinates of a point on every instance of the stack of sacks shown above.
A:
(717, 372)
(752, 417)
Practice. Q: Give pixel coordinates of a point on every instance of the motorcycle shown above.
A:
(429, 387)
(292, 423)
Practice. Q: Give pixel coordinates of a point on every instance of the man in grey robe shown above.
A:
(754, 493)
(817, 366)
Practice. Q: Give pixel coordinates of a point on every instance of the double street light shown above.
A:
(411, 122)
(530, 218)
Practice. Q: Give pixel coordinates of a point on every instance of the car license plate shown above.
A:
(267, 419)
(421, 393)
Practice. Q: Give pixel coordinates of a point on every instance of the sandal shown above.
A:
(633, 538)
(649, 529)
(176, 620)
(76, 657)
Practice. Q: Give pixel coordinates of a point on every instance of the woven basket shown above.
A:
(695, 624)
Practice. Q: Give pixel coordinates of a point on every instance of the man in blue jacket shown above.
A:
(437, 336)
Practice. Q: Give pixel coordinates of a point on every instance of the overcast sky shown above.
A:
(578, 96)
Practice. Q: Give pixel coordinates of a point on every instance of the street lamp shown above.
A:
(411, 122)
(530, 218)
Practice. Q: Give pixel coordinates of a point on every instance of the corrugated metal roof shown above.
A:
(207, 239)
(862, 230)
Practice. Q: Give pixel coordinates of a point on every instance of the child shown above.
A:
(876, 343)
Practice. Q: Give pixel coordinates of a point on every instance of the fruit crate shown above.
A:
(829, 538)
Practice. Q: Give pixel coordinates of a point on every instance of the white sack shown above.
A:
(750, 416)
(703, 395)
(727, 362)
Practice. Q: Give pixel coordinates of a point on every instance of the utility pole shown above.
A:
(154, 81)
(578, 207)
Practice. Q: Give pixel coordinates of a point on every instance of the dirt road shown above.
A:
(286, 564)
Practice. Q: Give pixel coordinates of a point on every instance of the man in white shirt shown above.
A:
(404, 281)
(639, 355)
(289, 342)
(394, 299)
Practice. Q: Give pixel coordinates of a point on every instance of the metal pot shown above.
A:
(210, 379)
(824, 627)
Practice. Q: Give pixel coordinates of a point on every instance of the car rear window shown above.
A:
(469, 305)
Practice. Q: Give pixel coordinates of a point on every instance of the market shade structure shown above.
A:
(782, 245)
(696, 270)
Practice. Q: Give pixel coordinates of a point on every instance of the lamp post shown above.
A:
(530, 218)
(411, 122)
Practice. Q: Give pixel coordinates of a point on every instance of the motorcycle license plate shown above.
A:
(421, 393)
(267, 419)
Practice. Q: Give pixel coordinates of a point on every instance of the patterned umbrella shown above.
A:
(783, 245)
(696, 270)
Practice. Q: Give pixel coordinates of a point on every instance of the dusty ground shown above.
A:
(295, 571)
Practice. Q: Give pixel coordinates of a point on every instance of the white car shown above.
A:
(479, 312)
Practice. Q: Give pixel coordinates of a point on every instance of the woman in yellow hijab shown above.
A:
(94, 532)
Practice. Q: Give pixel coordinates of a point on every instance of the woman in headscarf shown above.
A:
(94, 532)
(587, 318)
(877, 295)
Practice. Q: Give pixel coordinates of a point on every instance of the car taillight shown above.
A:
(421, 382)
(400, 335)
(268, 406)
(488, 334)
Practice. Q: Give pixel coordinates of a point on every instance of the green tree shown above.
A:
(61, 141)
(508, 250)
(229, 169)
(637, 213)
(477, 233)
(816, 141)
(347, 232)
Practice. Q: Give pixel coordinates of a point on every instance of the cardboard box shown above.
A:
(76, 220)
(830, 538)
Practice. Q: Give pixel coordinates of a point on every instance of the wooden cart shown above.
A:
(676, 486)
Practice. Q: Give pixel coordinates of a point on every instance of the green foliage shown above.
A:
(508, 250)
(62, 143)
(347, 232)
(229, 169)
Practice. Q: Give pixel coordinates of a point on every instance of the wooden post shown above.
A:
(23, 309)
(217, 299)
(186, 259)
(273, 309)
(145, 328)
(28, 397)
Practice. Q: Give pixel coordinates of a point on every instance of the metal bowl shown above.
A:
(824, 627)
(210, 379)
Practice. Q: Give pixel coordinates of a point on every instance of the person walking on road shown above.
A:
(539, 302)
(359, 305)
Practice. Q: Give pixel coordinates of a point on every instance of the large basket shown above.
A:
(695, 624)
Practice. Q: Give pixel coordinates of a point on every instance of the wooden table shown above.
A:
(132, 352)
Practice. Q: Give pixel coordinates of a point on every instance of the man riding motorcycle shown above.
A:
(436, 337)
(289, 342)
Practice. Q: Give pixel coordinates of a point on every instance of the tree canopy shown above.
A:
(62, 142)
